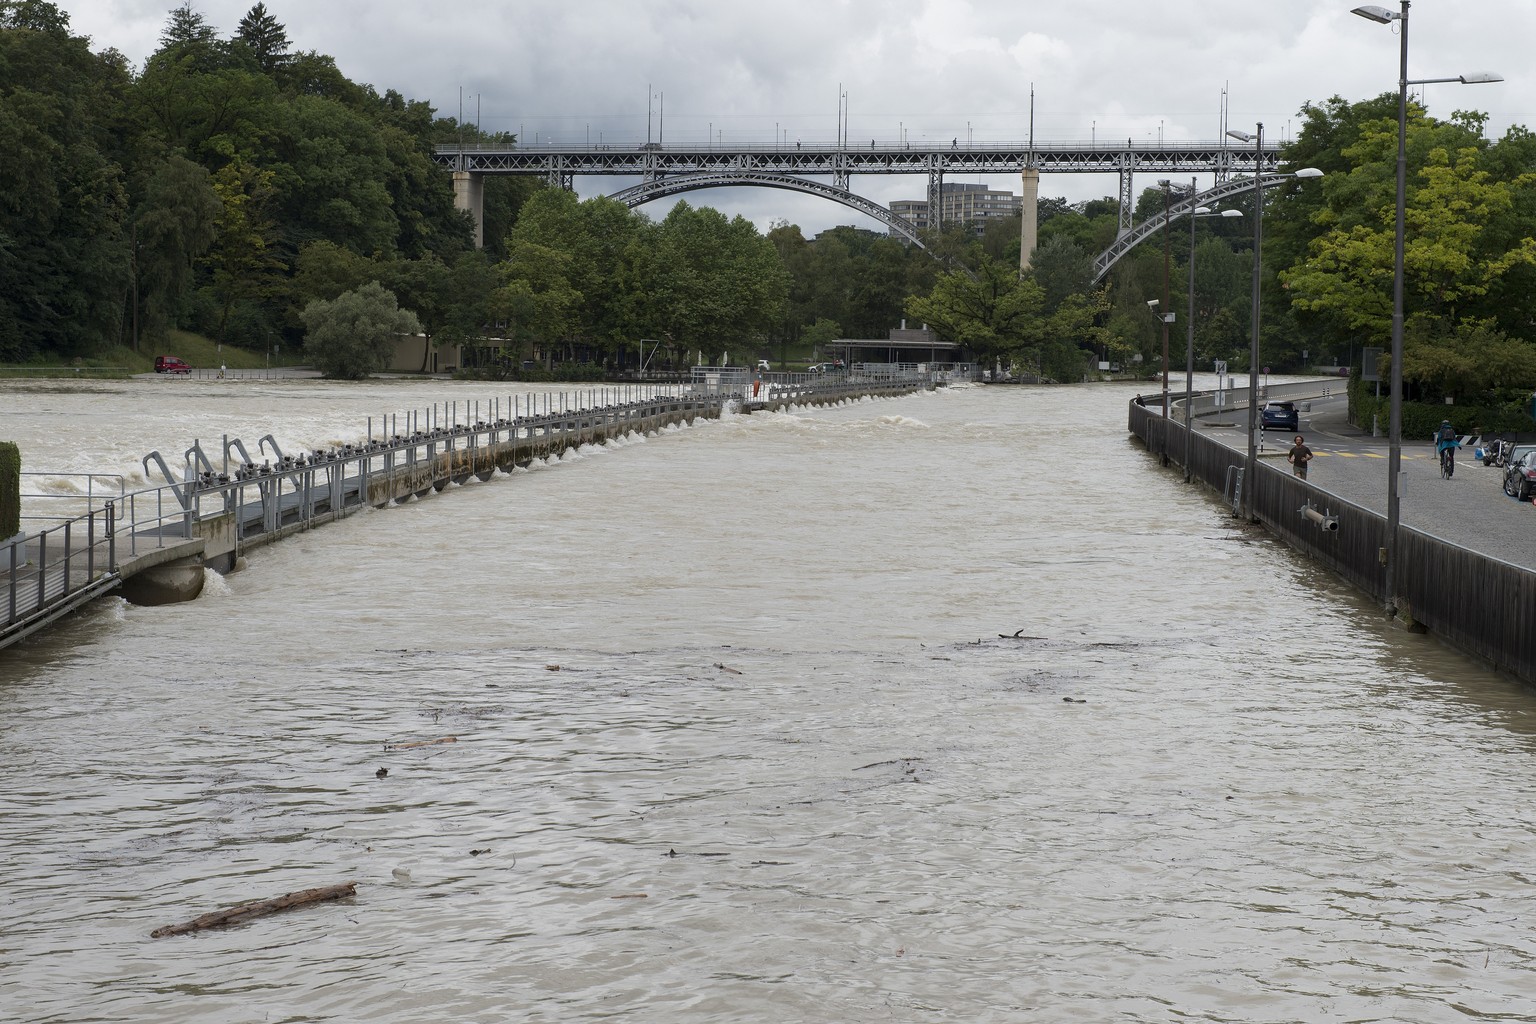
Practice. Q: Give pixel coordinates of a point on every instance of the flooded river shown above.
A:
(953, 707)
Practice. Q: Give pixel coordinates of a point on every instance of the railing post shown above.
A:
(69, 554)
(11, 615)
(42, 567)
(111, 539)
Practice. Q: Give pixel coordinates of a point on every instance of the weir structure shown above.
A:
(802, 168)
(153, 545)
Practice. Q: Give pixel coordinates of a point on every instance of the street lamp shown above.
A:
(1251, 462)
(1382, 16)
(1167, 317)
(1163, 318)
(1189, 324)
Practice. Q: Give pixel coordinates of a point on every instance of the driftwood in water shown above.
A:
(259, 908)
(421, 743)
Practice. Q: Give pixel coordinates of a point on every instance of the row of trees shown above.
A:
(182, 194)
(232, 183)
(591, 281)
(1326, 279)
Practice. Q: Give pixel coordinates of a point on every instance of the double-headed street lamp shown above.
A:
(1395, 423)
(1189, 324)
(1251, 463)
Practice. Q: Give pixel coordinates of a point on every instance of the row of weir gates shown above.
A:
(152, 544)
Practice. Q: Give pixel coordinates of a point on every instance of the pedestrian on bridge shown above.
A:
(1299, 456)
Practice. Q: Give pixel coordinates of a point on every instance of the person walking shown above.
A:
(1299, 456)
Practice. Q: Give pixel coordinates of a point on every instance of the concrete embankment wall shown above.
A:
(1474, 602)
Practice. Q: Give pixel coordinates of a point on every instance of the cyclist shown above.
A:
(1446, 444)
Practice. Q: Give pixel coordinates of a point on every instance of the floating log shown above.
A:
(420, 743)
(259, 908)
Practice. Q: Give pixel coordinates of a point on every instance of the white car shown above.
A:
(762, 364)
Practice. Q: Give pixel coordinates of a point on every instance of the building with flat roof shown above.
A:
(961, 203)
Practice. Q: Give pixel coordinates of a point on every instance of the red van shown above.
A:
(170, 364)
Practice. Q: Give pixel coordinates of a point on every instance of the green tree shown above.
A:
(264, 37)
(1346, 278)
(1061, 267)
(991, 313)
(718, 283)
(324, 270)
(243, 265)
(64, 251)
(353, 336)
(536, 301)
(453, 302)
(175, 222)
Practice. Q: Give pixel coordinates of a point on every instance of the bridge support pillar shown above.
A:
(168, 583)
(1127, 186)
(935, 196)
(1029, 219)
(469, 196)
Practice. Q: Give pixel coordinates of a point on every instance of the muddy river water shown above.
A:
(952, 707)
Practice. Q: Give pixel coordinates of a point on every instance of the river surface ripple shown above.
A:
(953, 707)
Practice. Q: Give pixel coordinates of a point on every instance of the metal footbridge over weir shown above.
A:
(827, 170)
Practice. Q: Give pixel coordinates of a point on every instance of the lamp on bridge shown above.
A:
(1383, 16)
(1251, 463)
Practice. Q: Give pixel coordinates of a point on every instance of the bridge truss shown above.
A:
(779, 166)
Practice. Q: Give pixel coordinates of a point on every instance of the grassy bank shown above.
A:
(199, 351)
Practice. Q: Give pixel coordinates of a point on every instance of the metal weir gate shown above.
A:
(675, 169)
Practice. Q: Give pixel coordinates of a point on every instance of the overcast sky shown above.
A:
(931, 70)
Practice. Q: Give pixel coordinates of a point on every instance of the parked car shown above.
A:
(1279, 416)
(836, 366)
(1520, 476)
(171, 364)
(762, 364)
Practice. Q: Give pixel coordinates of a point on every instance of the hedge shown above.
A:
(1422, 419)
(10, 490)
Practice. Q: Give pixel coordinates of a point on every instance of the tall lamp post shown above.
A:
(1381, 15)
(1167, 314)
(1251, 463)
(1189, 325)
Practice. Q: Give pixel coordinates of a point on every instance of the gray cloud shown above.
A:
(931, 70)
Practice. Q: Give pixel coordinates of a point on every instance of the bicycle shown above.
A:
(1447, 462)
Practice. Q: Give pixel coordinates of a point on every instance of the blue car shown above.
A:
(1279, 416)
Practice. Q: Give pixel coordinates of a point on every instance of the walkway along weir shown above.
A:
(153, 545)
(1474, 602)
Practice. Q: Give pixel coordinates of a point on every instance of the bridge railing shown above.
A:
(59, 497)
(47, 568)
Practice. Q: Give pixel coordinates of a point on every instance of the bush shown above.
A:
(353, 335)
(10, 490)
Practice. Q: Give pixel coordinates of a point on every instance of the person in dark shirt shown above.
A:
(1299, 456)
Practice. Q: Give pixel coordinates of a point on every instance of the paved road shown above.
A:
(1470, 509)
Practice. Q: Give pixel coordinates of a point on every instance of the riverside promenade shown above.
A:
(1470, 509)
(1463, 565)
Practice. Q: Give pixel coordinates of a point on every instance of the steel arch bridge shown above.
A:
(560, 164)
(660, 188)
(1177, 211)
